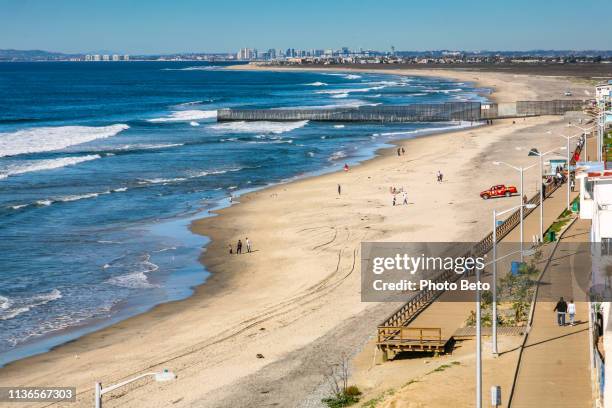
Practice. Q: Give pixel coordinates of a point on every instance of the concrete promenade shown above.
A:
(554, 369)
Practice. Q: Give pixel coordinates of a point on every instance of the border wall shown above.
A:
(425, 112)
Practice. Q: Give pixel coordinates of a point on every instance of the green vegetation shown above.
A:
(342, 394)
(558, 225)
(341, 401)
(514, 297)
(373, 403)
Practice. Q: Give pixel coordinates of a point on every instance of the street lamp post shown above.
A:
(567, 138)
(159, 377)
(541, 155)
(494, 305)
(478, 344)
(521, 170)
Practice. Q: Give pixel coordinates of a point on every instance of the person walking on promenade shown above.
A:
(339, 189)
(573, 184)
(571, 309)
(248, 244)
(239, 247)
(561, 309)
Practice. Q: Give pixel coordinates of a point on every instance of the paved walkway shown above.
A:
(554, 370)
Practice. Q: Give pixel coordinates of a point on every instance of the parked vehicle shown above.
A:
(499, 190)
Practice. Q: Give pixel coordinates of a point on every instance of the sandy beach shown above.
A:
(295, 299)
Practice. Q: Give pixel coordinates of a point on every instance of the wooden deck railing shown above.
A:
(414, 335)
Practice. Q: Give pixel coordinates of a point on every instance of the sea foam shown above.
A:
(13, 307)
(259, 127)
(47, 164)
(186, 116)
(45, 139)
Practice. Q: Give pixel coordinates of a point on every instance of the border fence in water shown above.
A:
(425, 112)
(428, 112)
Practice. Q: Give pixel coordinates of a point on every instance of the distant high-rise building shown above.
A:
(272, 53)
(126, 57)
(245, 54)
(345, 51)
(96, 57)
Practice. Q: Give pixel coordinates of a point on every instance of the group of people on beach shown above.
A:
(395, 191)
(562, 308)
(401, 151)
(239, 246)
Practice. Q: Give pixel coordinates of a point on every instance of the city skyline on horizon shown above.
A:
(69, 26)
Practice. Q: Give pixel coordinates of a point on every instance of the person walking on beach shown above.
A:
(403, 151)
(239, 247)
(339, 189)
(231, 250)
(394, 200)
(440, 176)
(248, 244)
(346, 167)
(561, 309)
(399, 152)
(405, 198)
(571, 309)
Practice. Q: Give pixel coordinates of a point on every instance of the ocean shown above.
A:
(103, 166)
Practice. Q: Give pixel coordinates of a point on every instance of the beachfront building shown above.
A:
(602, 92)
(596, 205)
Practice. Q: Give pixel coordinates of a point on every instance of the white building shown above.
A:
(245, 54)
(116, 57)
(106, 57)
(603, 91)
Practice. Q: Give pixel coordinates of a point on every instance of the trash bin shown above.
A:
(552, 236)
(498, 223)
(516, 267)
(576, 206)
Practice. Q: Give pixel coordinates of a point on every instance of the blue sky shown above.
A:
(164, 26)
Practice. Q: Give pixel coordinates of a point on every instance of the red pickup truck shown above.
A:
(500, 190)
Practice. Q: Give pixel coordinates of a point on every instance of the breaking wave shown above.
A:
(47, 164)
(259, 127)
(45, 139)
(186, 116)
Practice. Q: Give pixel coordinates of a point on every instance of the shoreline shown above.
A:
(228, 280)
(47, 343)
